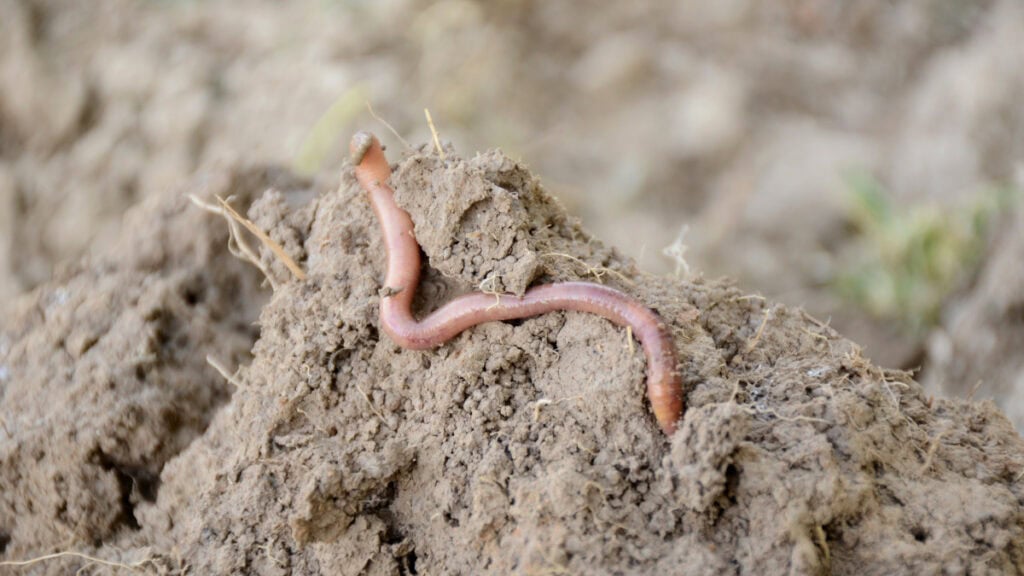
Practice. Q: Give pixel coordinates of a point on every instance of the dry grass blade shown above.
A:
(266, 240)
(760, 331)
(373, 408)
(134, 566)
(598, 272)
(433, 130)
(227, 375)
(387, 125)
(932, 449)
(237, 245)
(819, 532)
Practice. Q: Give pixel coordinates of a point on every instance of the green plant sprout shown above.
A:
(908, 261)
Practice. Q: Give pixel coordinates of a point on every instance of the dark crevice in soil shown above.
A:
(5, 539)
(919, 533)
(408, 564)
(378, 505)
(732, 481)
(394, 536)
(131, 480)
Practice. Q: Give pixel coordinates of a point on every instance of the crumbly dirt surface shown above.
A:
(103, 370)
(524, 446)
(488, 222)
(517, 447)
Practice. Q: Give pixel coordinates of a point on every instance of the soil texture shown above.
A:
(517, 447)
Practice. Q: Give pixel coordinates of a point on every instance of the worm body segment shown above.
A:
(664, 386)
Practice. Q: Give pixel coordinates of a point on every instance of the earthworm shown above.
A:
(664, 385)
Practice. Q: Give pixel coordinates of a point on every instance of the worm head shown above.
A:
(360, 144)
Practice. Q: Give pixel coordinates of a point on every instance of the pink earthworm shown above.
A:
(664, 385)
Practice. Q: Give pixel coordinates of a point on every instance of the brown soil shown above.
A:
(103, 377)
(521, 447)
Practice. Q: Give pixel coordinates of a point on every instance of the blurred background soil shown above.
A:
(862, 160)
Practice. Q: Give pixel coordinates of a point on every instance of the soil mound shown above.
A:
(523, 447)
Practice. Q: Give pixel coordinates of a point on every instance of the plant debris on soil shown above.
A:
(523, 447)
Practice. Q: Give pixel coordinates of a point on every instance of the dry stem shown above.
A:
(433, 130)
(223, 371)
(932, 449)
(819, 532)
(238, 247)
(134, 566)
(597, 272)
(267, 240)
(387, 125)
(547, 401)
(372, 407)
(760, 330)
(677, 252)
(974, 389)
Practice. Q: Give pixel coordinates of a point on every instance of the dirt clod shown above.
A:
(517, 447)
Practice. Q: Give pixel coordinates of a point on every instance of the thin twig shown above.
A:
(823, 541)
(433, 130)
(892, 395)
(932, 449)
(372, 407)
(773, 412)
(735, 392)
(760, 330)
(237, 246)
(597, 272)
(546, 401)
(134, 566)
(814, 334)
(974, 390)
(267, 240)
(387, 125)
(223, 371)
